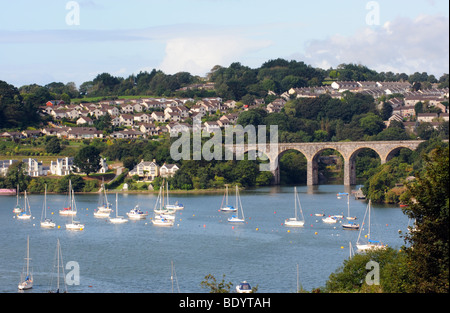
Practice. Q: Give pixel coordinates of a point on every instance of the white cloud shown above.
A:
(402, 45)
(198, 54)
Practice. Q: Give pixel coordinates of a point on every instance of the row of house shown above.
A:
(148, 171)
(60, 167)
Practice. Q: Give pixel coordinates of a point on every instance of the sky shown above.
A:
(73, 41)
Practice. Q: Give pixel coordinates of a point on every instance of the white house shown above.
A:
(85, 120)
(33, 167)
(146, 170)
(159, 116)
(168, 170)
(62, 167)
(212, 126)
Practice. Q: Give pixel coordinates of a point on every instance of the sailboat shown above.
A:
(348, 205)
(26, 213)
(226, 207)
(26, 280)
(104, 208)
(59, 262)
(68, 211)
(46, 222)
(118, 219)
(176, 206)
(162, 209)
(74, 225)
(17, 209)
(239, 208)
(160, 218)
(294, 221)
(371, 244)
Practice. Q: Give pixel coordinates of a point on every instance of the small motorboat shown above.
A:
(136, 214)
(330, 220)
(244, 287)
(350, 225)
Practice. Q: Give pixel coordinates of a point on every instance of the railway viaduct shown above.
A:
(349, 150)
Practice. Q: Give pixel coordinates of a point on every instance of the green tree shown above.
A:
(351, 276)
(16, 176)
(87, 160)
(214, 286)
(53, 145)
(429, 207)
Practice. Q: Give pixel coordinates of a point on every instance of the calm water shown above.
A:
(136, 256)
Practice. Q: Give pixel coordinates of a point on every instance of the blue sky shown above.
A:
(37, 45)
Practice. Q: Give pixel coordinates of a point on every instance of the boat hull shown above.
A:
(118, 220)
(235, 220)
(23, 216)
(294, 223)
(48, 224)
(75, 226)
(25, 285)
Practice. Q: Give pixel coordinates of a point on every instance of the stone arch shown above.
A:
(278, 158)
(391, 153)
(350, 168)
(313, 168)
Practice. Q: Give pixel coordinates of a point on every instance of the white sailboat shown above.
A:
(26, 280)
(226, 207)
(68, 211)
(370, 244)
(104, 208)
(294, 221)
(159, 219)
(239, 208)
(330, 220)
(162, 208)
(26, 213)
(118, 219)
(46, 222)
(17, 209)
(74, 225)
(59, 264)
(177, 206)
(136, 214)
(351, 218)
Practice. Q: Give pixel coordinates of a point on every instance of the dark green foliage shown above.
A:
(87, 160)
(429, 207)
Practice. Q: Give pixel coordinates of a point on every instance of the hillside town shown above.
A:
(149, 118)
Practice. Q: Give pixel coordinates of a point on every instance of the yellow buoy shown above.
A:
(257, 228)
(289, 231)
(315, 233)
(59, 227)
(342, 247)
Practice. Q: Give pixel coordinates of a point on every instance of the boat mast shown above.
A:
(368, 234)
(226, 195)
(295, 202)
(57, 251)
(28, 254)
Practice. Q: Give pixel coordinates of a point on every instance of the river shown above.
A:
(136, 256)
